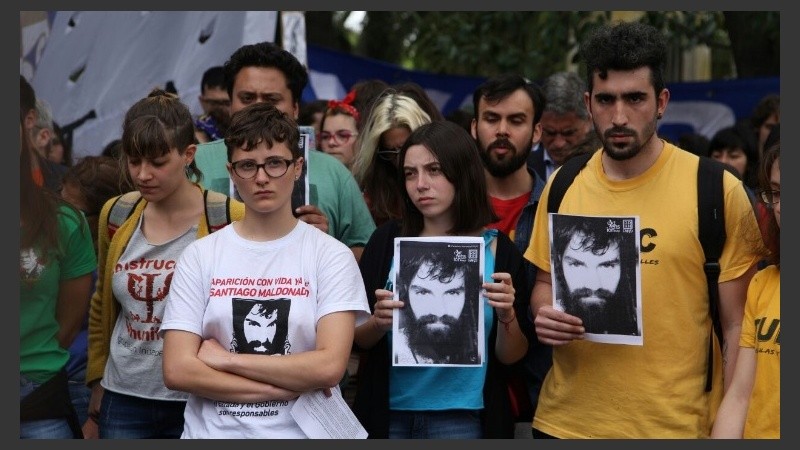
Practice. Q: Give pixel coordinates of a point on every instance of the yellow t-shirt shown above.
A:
(761, 330)
(655, 390)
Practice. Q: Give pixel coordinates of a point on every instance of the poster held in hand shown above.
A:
(439, 279)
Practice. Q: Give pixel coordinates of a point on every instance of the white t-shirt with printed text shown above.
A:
(307, 272)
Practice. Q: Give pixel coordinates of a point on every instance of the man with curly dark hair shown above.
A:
(656, 389)
(266, 73)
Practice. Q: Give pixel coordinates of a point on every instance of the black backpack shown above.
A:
(711, 221)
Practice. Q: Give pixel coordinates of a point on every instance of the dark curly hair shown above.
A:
(267, 54)
(97, 178)
(625, 46)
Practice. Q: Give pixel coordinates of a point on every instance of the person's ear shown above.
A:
(587, 100)
(188, 154)
(295, 110)
(537, 134)
(662, 100)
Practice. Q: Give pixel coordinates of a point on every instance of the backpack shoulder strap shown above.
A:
(218, 213)
(711, 232)
(122, 209)
(711, 221)
(563, 179)
(711, 208)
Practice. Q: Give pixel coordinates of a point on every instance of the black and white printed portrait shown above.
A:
(300, 192)
(595, 264)
(260, 326)
(439, 323)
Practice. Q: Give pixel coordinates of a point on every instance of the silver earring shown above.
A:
(188, 171)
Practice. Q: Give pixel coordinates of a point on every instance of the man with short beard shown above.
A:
(671, 385)
(506, 126)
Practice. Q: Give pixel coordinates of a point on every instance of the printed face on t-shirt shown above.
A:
(259, 327)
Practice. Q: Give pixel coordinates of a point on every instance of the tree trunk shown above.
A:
(755, 52)
(379, 40)
(321, 31)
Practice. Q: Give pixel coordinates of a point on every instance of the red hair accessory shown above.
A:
(346, 104)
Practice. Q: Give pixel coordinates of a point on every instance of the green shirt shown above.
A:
(40, 355)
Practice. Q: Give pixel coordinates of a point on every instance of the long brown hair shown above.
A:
(97, 178)
(458, 156)
(38, 208)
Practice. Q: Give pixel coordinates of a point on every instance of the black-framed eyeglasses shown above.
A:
(273, 167)
(339, 136)
(770, 197)
(389, 154)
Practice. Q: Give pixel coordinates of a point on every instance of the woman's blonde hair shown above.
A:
(391, 110)
(378, 178)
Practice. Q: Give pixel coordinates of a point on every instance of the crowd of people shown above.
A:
(176, 286)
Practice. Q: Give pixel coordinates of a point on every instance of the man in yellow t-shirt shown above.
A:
(656, 390)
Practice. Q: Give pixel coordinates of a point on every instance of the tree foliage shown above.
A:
(485, 44)
(538, 43)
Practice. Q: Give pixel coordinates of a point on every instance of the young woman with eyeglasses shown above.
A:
(392, 119)
(751, 407)
(264, 310)
(339, 130)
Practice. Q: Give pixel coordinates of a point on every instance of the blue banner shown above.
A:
(701, 107)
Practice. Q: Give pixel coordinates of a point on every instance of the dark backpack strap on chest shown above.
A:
(711, 232)
(563, 179)
(711, 228)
